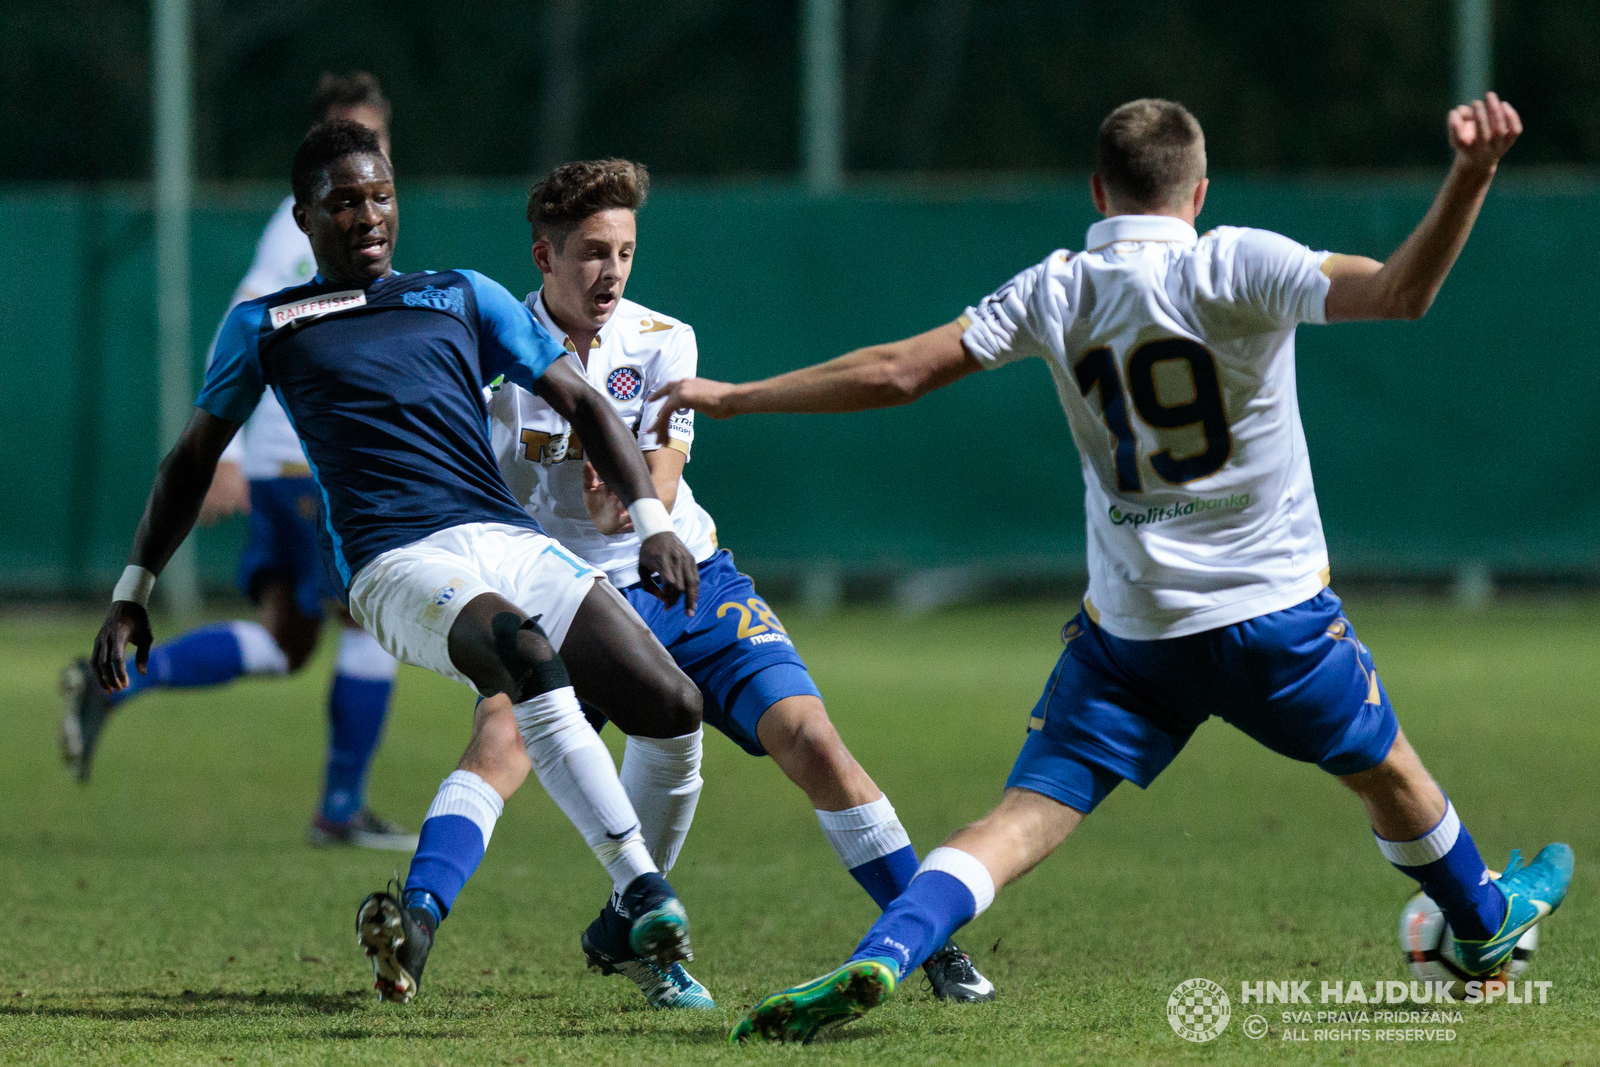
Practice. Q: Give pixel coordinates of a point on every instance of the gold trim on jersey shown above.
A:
(1326, 266)
(294, 470)
(1326, 574)
(1090, 610)
(651, 324)
(566, 342)
(678, 445)
(964, 321)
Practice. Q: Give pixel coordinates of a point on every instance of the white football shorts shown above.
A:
(408, 598)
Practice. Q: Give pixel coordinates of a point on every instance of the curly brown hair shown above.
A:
(574, 191)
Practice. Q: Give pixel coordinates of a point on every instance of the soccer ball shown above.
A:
(1429, 946)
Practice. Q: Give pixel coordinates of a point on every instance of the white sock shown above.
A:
(468, 795)
(965, 868)
(258, 652)
(662, 777)
(576, 770)
(360, 656)
(862, 834)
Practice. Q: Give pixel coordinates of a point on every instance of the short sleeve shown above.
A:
(1279, 278)
(510, 340)
(1006, 325)
(679, 358)
(234, 384)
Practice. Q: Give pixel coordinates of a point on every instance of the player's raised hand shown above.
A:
(125, 622)
(605, 508)
(667, 570)
(1482, 131)
(702, 394)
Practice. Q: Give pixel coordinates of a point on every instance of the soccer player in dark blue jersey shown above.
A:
(383, 375)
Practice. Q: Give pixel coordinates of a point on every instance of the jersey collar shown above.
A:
(535, 303)
(1138, 228)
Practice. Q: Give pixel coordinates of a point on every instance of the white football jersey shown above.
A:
(637, 351)
(1173, 356)
(267, 446)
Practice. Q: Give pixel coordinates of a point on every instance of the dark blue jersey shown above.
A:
(384, 385)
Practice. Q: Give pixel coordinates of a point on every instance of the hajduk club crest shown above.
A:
(624, 383)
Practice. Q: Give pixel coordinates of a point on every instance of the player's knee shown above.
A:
(814, 741)
(529, 659)
(676, 706)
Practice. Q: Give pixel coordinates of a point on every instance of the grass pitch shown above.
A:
(170, 912)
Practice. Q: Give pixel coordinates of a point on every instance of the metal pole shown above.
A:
(1474, 57)
(173, 188)
(561, 99)
(822, 94)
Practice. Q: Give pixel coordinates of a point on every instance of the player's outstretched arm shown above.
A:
(666, 566)
(175, 499)
(880, 376)
(1404, 287)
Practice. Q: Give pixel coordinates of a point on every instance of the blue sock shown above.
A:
(886, 877)
(919, 922)
(358, 703)
(453, 838)
(211, 655)
(1445, 862)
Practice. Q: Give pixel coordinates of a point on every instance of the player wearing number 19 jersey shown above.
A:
(755, 686)
(1173, 355)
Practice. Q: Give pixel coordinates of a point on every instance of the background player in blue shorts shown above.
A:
(755, 686)
(264, 473)
(1173, 354)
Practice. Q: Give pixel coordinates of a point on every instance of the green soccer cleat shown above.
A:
(1532, 892)
(839, 996)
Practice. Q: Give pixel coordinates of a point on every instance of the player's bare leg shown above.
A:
(1402, 798)
(529, 719)
(802, 740)
(1017, 835)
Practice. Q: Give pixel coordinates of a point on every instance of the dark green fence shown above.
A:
(1472, 436)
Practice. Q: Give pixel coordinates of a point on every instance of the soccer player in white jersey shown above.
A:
(264, 474)
(754, 685)
(1173, 354)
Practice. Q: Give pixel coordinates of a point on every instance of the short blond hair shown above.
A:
(1150, 153)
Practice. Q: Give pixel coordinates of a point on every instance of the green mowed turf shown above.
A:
(170, 912)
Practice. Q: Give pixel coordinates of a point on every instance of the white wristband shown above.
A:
(134, 585)
(649, 517)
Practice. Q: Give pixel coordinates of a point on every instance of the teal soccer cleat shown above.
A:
(606, 948)
(1532, 891)
(839, 996)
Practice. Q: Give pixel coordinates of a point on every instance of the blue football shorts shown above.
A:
(282, 543)
(1299, 681)
(733, 647)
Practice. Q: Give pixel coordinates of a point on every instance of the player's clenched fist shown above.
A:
(1482, 131)
(126, 622)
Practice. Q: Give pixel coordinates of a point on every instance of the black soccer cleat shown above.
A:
(398, 941)
(952, 976)
(84, 716)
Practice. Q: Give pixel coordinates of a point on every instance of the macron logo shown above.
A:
(327, 303)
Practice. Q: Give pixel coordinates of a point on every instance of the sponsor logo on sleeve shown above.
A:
(312, 307)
